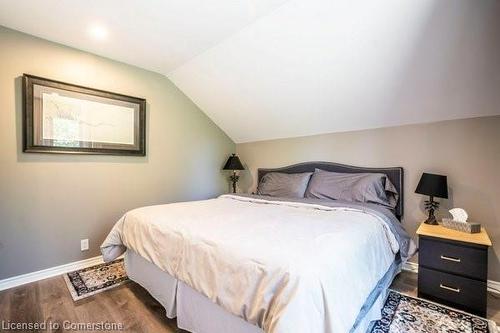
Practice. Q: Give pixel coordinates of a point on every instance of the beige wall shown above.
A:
(468, 151)
(49, 202)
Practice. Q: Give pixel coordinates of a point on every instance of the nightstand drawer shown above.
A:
(470, 261)
(453, 290)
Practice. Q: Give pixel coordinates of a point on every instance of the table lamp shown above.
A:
(233, 163)
(433, 186)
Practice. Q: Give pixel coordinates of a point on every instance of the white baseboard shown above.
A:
(49, 272)
(493, 286)
(411, 267)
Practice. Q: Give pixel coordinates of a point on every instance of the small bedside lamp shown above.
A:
(433, 186)
(233, 163)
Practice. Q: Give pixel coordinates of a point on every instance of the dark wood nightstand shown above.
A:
(453, 267)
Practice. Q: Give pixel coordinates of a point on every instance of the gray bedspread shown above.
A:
(407, 246)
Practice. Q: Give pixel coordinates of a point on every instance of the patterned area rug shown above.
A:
(407, 314)
(95, 279)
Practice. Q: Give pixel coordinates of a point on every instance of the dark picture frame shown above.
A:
(65, 118)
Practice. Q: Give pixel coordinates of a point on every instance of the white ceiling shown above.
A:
(157, 35)
(267, 69)
(322, 66)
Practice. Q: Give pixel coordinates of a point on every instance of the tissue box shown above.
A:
(471, 228)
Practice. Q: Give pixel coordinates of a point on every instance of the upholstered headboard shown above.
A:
(394, 174)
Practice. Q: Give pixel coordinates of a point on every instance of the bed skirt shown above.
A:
(196, 313)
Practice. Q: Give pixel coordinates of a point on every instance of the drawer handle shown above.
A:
(450, 258)
(457, 290)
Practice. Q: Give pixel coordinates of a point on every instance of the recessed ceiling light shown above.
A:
(98, 32)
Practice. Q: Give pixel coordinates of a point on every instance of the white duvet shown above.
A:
(286, 267)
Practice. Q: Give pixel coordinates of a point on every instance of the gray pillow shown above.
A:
(355, 187)
(288, 185)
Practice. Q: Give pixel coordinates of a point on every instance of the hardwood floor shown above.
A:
(49, 300)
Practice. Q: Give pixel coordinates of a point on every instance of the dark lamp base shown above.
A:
(234, 179)
(431, 220)
(431, 206)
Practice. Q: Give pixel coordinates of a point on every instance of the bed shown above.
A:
(253, 264)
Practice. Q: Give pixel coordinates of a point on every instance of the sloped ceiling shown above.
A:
(157, 35)
(265, 69)
(320, 66)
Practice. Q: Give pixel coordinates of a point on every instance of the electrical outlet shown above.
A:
(84, 244)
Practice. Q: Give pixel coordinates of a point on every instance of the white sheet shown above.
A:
(287, 267)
